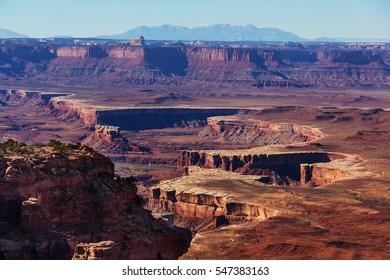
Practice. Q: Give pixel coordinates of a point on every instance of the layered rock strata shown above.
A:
(59, 200)
(205, 194)
(249, 131)
(261, 66)
(132, 119)
(295, 166)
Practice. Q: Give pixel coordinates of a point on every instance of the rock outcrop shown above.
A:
(108, 139)
(22, 97)
(139, 41)
(105, 250)
(248, 131)
(56, 196)
(72, 112)
(206, 199)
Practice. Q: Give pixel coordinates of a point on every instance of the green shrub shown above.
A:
(12, 147)
(59, 147)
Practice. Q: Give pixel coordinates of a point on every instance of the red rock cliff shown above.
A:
(271, 67)
(56, 198)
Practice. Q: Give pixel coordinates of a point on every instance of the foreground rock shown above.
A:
(55, 198)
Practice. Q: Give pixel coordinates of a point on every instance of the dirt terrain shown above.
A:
(298, 207)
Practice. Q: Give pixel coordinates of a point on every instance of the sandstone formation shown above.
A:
(22, 97)
(72, 112)
(58, 200)
(251, 131)
(105, 250)
(325, 197)
(226, 187)
(108, 139)
(197, 196)
(275, 66)
(281, 168)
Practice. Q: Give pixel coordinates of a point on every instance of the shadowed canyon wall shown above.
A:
(152, 118)
(298, 166)
(127, 119)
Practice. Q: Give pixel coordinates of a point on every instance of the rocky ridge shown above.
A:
(138, 64)
(57, 200)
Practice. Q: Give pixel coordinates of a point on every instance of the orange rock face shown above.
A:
(69, 195)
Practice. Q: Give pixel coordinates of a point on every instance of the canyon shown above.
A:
(282, 170)
(207, 151)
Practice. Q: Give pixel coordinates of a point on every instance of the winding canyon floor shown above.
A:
(344, 217)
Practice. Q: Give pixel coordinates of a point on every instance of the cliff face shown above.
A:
(205, 199)
(22, 97)
(279, 169)
(151, 118)
(144, 65)
(71, 112)
(56, 200)
(194, 204)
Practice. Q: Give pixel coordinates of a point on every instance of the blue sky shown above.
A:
(87, 18)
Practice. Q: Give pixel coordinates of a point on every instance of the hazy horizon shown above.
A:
(307, 19)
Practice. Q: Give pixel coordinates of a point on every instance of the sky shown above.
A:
(87, 18)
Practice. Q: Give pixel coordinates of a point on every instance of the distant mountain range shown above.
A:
(4, 33)
(217, 32)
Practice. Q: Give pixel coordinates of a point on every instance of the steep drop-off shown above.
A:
(206, 193)
(277, 168)
(152, 118)
(57, 200)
